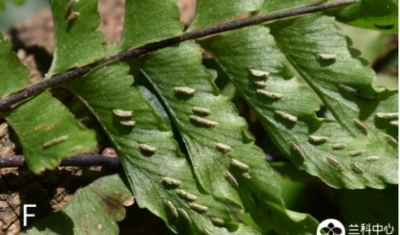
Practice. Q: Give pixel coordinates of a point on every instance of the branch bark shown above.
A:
(19, 96)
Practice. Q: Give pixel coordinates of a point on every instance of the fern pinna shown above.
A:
(186, 152)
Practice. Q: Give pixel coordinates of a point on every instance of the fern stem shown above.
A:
(87, 160)
(78, 160)
(27, 92)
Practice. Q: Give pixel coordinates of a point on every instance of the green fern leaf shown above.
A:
(94, 209)
(277, 5)
(343, 83)
(224, 157)
(231, 171)
(48, 132)
(210, 12)
(46, 129)
(152, 99)
(369, 14)
(289, 114)
(76, 42)
(150, 156)
(14, 75)
(150, 21)
(146, 147)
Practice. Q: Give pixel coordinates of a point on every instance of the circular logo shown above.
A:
(331, 227)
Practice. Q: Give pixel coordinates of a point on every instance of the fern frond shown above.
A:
(226, 173)
(46, 129)
(149, 21)
(224, 157)
(321, 147)
(48, 132)
(94, 209)
(14, 74)
(276, 5)
(343, 83)
(157, 171)
(76, 42)
(369, 14)
(209, 12)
